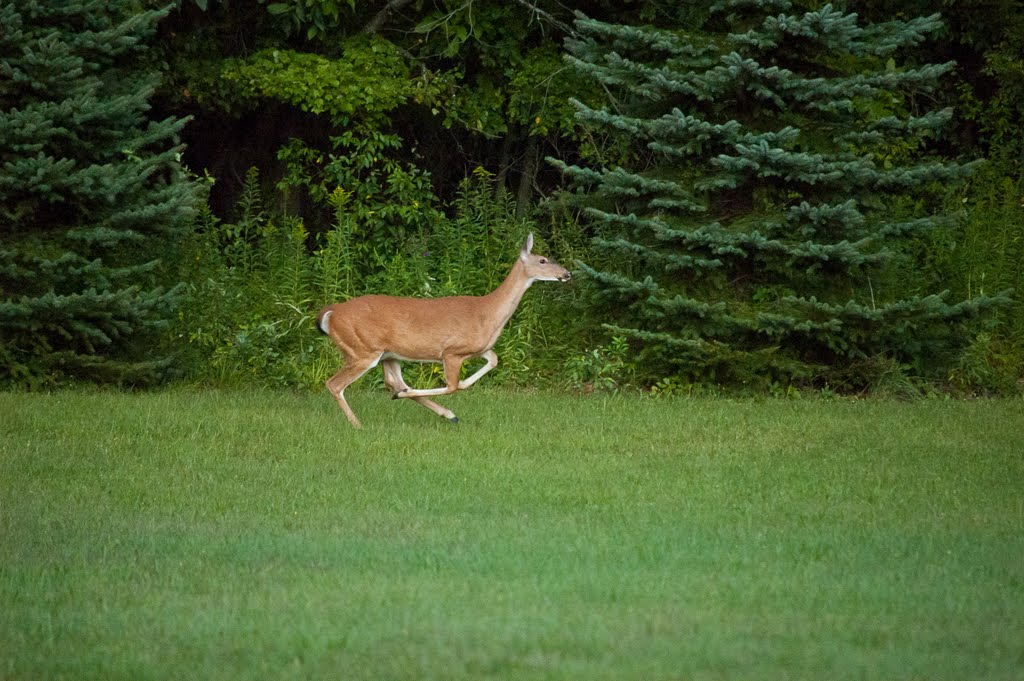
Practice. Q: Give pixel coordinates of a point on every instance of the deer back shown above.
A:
(410, 328)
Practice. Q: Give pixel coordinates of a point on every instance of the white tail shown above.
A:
(372, 330)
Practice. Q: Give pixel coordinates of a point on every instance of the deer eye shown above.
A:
(543, 261)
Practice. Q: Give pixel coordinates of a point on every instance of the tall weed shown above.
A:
(984, 254)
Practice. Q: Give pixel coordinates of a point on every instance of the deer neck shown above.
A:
(504, 300)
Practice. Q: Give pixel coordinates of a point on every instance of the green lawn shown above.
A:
(227, 535)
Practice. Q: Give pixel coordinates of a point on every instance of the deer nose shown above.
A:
(567, 276)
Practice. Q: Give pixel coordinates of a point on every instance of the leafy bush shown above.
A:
(981, 253)
(603, 369)
(249, 293)
(389, 201)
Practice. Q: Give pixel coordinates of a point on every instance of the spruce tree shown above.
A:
(745, 230)
(91, 193)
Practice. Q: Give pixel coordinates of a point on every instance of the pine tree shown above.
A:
(745, 232)
(91, 193)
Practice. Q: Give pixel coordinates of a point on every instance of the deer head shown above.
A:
(539, 267)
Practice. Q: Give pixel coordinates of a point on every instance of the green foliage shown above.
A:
(92, 195)
(483, 229)
(521, 85)
(603, 369)
(478, 67)
(748, 236)
(388, 200)
(478, 105)
(316, 17)
(981, 253)
(541, 88)
(367, 81)
(249, 302)
(466, 84)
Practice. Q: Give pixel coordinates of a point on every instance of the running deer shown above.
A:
(374, 329)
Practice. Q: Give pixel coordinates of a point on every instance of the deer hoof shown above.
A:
(454, 419)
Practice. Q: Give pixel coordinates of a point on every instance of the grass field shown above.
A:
(227, 535)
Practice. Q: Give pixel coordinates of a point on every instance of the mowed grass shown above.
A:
(230, 535)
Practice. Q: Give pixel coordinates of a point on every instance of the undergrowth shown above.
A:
(256, 282)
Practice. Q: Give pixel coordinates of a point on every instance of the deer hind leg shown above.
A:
(349, 374)
(393, 379)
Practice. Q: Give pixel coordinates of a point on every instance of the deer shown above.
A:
(387, 330)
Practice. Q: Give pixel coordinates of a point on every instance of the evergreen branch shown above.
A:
(690, 345)
(885, 129)
(652, 41)
(668, 261)
(833, 30)
(721, 242)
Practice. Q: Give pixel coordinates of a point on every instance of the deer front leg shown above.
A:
(492, 361)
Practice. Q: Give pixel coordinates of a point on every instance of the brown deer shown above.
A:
(375, 329)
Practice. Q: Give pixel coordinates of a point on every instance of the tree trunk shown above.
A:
(504, 161)
(527, 177)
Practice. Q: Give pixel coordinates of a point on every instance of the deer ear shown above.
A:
(527, 247)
